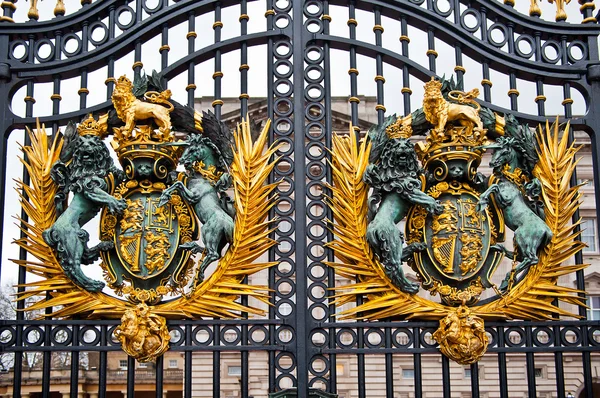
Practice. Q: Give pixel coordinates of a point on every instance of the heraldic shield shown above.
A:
(459, 240)
(147, 237)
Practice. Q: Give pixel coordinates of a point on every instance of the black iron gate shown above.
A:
(305, 46)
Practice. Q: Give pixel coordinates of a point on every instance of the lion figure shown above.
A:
(129, 108)
(87, 178)
(438, 111)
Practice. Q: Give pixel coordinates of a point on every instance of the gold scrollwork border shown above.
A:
(215, 297)
(531, 299)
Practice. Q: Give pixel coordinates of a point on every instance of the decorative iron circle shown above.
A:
(283, 294)
(500, 27)
(258, 329)
(475, 14)
(98, 25)
(309, 4)
(204, 329)
(509, 342)
(536, 337)
(39, 44)
(374, 332)
(579, 44)
(339, 339)
(4, 331)
(151, 10)
(86, 330)
(180, 336)
(119, 12)
(423, 339)
(30, 331)
(317, 266)
(526, 39)
(396, 338)
(69, 37)
(564, 339)
(280, 64)
(315, 286)
(323, 371)
(313, 25)
(226, 338)
(14, 45)
(437, 9)
(55, 335)
(555, 45)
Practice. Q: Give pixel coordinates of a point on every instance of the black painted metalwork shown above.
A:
(305, 51)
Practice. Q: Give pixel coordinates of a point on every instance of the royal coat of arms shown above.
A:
(165, 214)
(456, 218)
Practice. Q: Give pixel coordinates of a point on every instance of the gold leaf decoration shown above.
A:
(532, 298)
(215, 297)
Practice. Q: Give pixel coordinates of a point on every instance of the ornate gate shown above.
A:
(308, 54)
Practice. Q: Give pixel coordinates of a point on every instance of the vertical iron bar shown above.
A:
(558, 364)
(352, 23)
(187, 366)
(269, 16)
(191, 38)
(130, 377)
(417, 363)
(446, 387)
(474, 380)
(74, 387)
(218, 75)
(502, 364)
(244, 59)
(300, 238)
(540, 99)
(513, 93)
(389, 365)
(379, 79)
(431, 53)
(102, 365)
(159, 376)
(164, 49)
(530, 364)
(332, 387)
(216, 361)
(406, 91)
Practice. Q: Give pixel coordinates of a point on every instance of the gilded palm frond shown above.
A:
(252, 164)
(532, 298)
(214, 298)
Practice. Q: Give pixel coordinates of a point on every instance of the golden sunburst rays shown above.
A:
(531, 299)
(216, 297)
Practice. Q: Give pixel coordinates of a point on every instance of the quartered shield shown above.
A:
(458, 240)
(147, 238)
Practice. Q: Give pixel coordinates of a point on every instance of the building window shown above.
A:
(593, 313)
(142, 365)
(539, 372)
(588, 234)
(587, 182)
(172, 363)
(467, 373)
(123, 364)
(408, 373)
(234, 370)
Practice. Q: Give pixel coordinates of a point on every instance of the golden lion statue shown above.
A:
(438, 111)
(129, 108)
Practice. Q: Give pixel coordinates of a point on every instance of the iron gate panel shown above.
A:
(303, 338)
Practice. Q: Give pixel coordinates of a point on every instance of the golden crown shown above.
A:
(145, 142)
(92, 127)
(400, 128)
(433, 87)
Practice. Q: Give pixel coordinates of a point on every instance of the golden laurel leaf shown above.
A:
(215, 297)
(532, 298)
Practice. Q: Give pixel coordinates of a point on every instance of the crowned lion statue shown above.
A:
(129, 108)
